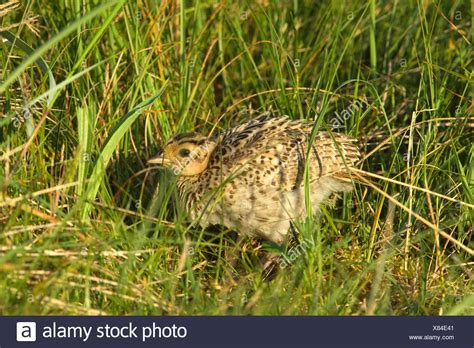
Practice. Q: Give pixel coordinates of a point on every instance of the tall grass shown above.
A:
(86, 227)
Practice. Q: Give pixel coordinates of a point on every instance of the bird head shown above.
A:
(186, 154)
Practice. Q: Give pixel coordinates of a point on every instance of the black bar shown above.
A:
(207, 331)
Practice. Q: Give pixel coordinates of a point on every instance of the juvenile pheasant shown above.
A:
(252, 177)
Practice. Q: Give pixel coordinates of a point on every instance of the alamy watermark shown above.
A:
(339, 119)
(23, 113)
(199, 152)
(295, 253)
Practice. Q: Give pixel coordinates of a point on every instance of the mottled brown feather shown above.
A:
(255, 177)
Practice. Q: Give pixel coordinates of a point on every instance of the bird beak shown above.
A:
(158, 159)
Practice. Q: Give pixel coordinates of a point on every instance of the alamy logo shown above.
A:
(26, 331)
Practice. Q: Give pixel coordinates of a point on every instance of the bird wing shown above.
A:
(276, 150)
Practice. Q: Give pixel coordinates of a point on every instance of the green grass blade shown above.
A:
(53, 41)
(109, 147)
(39, 61)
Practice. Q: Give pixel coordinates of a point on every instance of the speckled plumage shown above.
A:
(252, 177)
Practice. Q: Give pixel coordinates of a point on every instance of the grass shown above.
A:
(87, 228)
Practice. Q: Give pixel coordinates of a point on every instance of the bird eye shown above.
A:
(184, 152)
